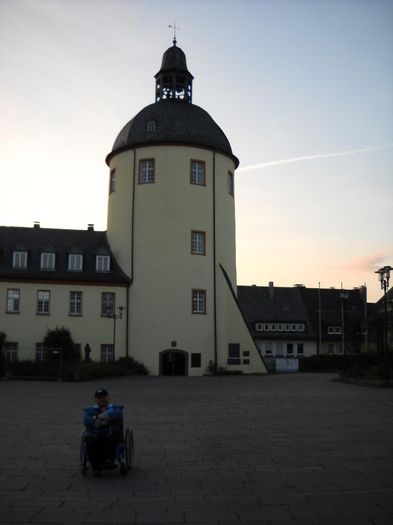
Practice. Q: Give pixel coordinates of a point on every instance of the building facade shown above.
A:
(299, 321)
(169, 247)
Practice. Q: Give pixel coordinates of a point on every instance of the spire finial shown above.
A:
(174, 27)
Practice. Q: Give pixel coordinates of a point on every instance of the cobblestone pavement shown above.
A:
(277, 450)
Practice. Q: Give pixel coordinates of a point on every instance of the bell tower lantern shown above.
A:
(174, 81)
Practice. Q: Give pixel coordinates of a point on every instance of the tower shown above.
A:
(171, 226)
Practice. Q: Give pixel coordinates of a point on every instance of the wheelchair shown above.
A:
(124, 458)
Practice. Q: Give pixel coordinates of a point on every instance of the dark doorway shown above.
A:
(173, 363)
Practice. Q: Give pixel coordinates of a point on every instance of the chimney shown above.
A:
(90, 227)
(271, 289)
(37, 225)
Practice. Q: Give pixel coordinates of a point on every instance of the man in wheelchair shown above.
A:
(104, 431)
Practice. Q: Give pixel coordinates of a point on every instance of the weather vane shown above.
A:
(174, 27)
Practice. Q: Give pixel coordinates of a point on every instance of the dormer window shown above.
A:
(103, 263)
(151, 125)
(48, 260)
(75, 262)
(19, 259)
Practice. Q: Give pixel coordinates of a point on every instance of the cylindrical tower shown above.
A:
(171, 226)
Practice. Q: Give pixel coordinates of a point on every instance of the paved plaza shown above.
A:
(274, 450)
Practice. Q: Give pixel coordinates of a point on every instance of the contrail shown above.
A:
(310, 157)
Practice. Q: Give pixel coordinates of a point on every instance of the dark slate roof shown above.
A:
(174, 59)
(274, 305)
(330, 304)
(177, 122)
(63, 242)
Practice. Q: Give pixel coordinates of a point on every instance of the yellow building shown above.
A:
(167, 263)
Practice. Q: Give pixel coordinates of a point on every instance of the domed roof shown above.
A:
(174, 58)
(172, 122)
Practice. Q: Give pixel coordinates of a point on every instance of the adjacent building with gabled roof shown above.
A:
(300, 321)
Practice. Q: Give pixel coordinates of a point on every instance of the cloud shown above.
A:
(368, 263)
(312, 157)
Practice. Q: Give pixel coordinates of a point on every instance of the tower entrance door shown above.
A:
(173, 363)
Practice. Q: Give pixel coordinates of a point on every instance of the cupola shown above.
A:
(174, 81)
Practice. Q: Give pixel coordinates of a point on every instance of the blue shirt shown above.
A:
(110, 425)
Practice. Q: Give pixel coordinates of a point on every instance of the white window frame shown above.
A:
(75, 262)
(146, 171)
(198, 172)
(107, 353)
(103, 263)
(40, 353)
(198, 301)
(108, 304)
(19, 259)
(75, 302)
(43, 302)
(198, 242)
(11, 352)
(48, 261)
(13, 301)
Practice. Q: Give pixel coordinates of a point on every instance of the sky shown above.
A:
(303, 89)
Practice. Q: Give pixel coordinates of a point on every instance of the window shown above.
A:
(289, 348)
(233, 354)
(268, 348)
(40, 353)
(107, 353)
(112, 181)
(198, 245)
(75, 303)
(199, 301)
(75, 262)
(293, 327)
(280, 327)
(146, 171)
(195, 360)
(279, 348)
(108, 301)
(259, 327)
(103, 263)
(11, 352)
(13, 301)
(300, 348)
(287, 328)
(198, 172)
(300, 327)
(273, 327)
(151, 125)
(19, 260)
(47, 261)
(231, 184)
(43, 299)
(337, 329)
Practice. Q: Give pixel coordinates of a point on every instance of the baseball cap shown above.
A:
(101, 392)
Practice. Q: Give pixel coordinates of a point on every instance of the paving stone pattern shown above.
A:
(295, 449)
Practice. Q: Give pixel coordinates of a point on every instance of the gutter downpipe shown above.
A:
(132, 256)
(214, 263)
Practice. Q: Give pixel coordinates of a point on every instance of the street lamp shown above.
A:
(115, 316)
(384, 276)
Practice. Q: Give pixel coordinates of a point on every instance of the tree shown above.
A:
(60, 337)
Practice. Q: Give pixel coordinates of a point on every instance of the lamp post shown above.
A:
(384, 276)
(115, 316)
(343, 296)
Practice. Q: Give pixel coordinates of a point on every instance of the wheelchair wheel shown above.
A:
(83, 455)
(129, 449)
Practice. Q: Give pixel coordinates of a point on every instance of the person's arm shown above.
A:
(89, 418)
